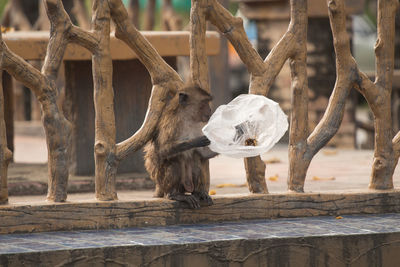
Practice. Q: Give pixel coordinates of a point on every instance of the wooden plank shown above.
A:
(89, 214)
(33, 45)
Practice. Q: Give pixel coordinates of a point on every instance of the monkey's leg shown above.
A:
(186, 179)
(201, 181)
(172, 184)
(158, 192)
(191, 200)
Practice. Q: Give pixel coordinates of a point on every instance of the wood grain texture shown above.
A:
(104, 148)
(33, 45)
(119, 214)
(302, 145)
(384, 157)
(42, 84)
(5, 153)
(164, 78)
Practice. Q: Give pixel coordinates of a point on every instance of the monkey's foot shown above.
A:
(158, 192)
(204, 197)
(191, 200)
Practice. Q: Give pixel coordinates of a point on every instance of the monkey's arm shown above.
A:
(206, 153)
(174, 149)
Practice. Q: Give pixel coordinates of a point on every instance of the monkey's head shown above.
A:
(195, 103)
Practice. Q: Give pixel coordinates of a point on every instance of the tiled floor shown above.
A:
(184, 234)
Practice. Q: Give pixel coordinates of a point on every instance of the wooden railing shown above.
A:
(302, 144)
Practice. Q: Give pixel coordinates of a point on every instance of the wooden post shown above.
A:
(219, 67)
(384, 158)
(104, 148)
(5, 153)
(8, 95)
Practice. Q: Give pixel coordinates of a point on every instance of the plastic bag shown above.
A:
(248, 126)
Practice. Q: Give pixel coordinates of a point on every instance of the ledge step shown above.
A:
(351, 240)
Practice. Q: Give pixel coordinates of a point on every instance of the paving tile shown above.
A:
(185, 234)
(8, 249)
(37, 246)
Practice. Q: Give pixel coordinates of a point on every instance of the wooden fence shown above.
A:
(303, 145)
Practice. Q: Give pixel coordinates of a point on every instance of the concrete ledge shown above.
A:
(33, 45)
(90, 214)
(329, 251)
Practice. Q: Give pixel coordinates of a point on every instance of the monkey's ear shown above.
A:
(183, 98)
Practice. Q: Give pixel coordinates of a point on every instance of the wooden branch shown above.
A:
(23, 71)
(262, 73)
(83, 38)
(298, 131)
(255, 174)
(5, 153)
(105, 156)
(157, 102)
(62, 32)
(57, 128)
(198, 55)
(164, 78)
(384, 158)
(60, 24)
(159, 70)
(347, 75)
(232, 28)
(199, 64)
(149, 17)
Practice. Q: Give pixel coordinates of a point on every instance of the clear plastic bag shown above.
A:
(248, 126)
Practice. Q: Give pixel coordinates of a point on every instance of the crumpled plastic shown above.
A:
(248, 126)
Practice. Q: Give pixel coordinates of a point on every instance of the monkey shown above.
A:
(177, 150)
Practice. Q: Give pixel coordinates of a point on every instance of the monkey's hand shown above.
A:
(191, 200)
(204, 197)
(201, 141)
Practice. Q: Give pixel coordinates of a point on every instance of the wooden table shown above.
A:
(131, 83)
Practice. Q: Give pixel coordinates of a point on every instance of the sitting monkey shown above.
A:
(175, 154)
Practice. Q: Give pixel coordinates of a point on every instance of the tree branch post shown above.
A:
(105, 134)
(298, 131)
(384, 157)
(5, 153)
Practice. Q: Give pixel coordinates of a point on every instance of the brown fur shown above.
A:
(176, 172)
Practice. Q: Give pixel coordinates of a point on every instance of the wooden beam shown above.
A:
(33, 45)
